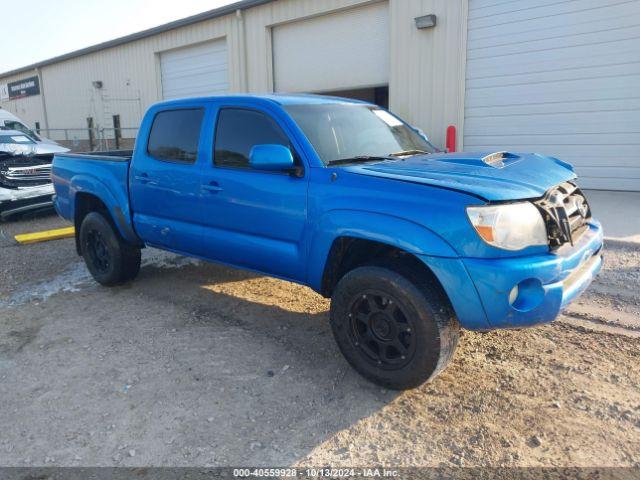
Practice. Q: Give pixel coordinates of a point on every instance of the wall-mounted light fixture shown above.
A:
(426, 21)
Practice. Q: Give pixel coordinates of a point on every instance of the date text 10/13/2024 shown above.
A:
(315, 472)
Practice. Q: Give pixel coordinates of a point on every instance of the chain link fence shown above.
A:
(97, 139)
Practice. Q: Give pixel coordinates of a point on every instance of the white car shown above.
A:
(8, 121)
(25, 173)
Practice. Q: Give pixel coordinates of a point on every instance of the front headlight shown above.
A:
(511, 226)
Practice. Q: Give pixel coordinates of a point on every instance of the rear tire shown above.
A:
(393, 325)
(110, 260)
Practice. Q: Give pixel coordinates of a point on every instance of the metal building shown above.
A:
(556, 77)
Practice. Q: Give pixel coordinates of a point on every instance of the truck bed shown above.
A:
(108, 155)
(104, 174)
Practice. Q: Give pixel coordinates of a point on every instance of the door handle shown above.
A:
(212, 187)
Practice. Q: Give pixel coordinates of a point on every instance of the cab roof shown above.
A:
(277, 98)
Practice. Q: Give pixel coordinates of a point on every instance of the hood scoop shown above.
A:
(492, 176)
(496, 160)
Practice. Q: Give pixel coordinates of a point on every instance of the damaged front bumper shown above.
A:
(518, 292)
(18, 200)
(525, 291)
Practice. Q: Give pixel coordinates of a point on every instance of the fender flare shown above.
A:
(117, 203)
(390, 230)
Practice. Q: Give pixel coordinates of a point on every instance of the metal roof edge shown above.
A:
(199, 17)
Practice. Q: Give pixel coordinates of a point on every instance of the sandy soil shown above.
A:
(196, 364)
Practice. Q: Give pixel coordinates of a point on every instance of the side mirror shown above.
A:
(272, 158)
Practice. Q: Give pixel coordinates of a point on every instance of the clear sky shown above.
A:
(36, 30)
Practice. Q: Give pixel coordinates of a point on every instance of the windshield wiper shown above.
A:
(406, 153)
(359, 159)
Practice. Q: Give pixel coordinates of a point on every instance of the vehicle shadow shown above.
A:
(191, 364)
(267, 382)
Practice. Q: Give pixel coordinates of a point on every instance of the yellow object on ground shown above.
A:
(46, 236)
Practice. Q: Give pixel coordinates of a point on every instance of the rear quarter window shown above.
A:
(175, 135)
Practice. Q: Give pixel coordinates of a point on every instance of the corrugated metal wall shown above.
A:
(558, 78)
(428, 66)
(130, 75)
(425, 78)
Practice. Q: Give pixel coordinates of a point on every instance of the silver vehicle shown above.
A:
(8, 121)
(25, 173)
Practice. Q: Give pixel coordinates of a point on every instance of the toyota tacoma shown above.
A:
(411, 244)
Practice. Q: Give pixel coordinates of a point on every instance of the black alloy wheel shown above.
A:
(110, 259)
(393, 323)
(98, 252)
(382, 330)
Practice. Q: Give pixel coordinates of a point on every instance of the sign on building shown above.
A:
(4, 91)
(24, 88)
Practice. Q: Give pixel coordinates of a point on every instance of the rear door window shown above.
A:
(175, 135)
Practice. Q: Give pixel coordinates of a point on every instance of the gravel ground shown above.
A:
(200, 365)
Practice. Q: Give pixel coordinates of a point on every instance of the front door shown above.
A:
(165, 181)
(254, 219)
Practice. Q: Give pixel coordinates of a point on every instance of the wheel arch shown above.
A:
(363, 237)
(89, 195)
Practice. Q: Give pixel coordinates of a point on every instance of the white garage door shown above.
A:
(195, 71)
(559, 78)
(342, 50)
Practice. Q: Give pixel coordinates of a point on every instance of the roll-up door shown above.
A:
(342, 50)
(197, 70)
(559, 78)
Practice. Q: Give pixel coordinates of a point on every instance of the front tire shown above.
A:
(109, 259)
(394, 327)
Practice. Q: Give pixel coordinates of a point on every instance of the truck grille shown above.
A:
(566, 213)
(21, 173)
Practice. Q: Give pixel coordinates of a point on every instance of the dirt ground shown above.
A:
(200, 365)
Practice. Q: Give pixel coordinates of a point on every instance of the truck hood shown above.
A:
(489, 175)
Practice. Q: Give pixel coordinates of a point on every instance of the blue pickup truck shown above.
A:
(343, 196)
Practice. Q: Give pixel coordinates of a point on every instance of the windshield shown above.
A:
(13, 125)
(19, 139)
(344, 131)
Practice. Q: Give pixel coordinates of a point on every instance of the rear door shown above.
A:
(165, 183)
(254, 219)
